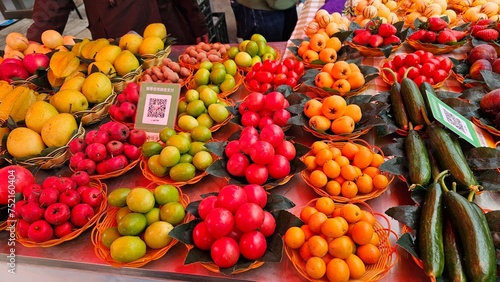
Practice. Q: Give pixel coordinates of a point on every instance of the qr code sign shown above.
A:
(157, 108)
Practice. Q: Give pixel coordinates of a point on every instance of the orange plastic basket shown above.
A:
(488, 128)
(374, 272)
(305, 174)
(116, 173)
(108, 219)
(325, 93)
(167, 180)
(334, 137)
(53, 242)
(3, 225)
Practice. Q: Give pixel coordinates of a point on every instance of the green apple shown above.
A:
(231, 53)
(217, 75)
(243, 45)
(231, 67)
(268, 56)
(243, 59)
(166, 193)
(202, 77)
(258, 37)
(228, 83)
(252, 48)
(256, 59)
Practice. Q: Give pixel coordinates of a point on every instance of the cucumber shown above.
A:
(453, 253)
(479, 251)
(414, 102)
(424, 88)
(417, 158)
(451, 157)
(397, 104)
(430, 232)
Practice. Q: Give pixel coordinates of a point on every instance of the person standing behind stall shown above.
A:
(48, 14)
(274, 19)
(184, 21)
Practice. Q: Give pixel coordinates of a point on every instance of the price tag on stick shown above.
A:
(157, 107)
(457, 123)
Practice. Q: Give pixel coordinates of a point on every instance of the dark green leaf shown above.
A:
(394, 166)
(408, 215)
(218, 168)
(395, 148)
(460, 67)
(285, 220)
(386, 50)
(274, 252)
(407, 242)
(300, 120)
(196, 255)
(343, 35)
(462, 27)
(183, 232)
(462, 107)
(277, 202)
(217, 147)
(491, 78)
(489, 179)
(192, 208)
(296, 41)
(474, 95)
(483, 158)
(418, 194)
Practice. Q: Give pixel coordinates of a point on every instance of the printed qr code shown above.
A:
(454, 121)
(157, 108)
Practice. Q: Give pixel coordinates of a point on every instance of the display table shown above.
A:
(77, 257)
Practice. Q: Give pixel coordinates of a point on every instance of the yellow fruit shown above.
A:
(52, 39)
(74, 83)
(130, 42)
(125, 62)
(127, 248)
(155, 29)
(16, 103)
(24, 142)
(38, 113)
(69, 101)
(97, 87)
(151, 45)
(108, 53)
(58, 130)
(103, 66)
(17, 41)
(63, 63)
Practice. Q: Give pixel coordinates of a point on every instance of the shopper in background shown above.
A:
(49, 14)
(184, 21)
(274, 19)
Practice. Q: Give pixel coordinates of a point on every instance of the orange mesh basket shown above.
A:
(54, 242)
(183, 80)
(305, 174)
(167, 180)
(238, 78)
(216, 126)
(374, 272)
(461, 79)
(3, 225)
(429, 47)
(340, 137)
(108, 219)
(370, 51)
(386, 79)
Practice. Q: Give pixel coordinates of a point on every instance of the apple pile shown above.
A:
(251, 51)
(435, 30)
(107, 149)
(233, 224)
(425, 67)
(167, 72)
(482, 57)
(271, 74)
(24, 67)
(258, 110)
(125, 107)
(57, 207)
(258, 156)
(213, 52)
(219, 76)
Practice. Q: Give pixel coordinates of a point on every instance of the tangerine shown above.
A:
(315, 222)
(356, 266)
(349, 150)
(380, 181)
(315, 267)
(318, 246)
(340, 247)
(349, 189)
(306, 213)
(362, 232)
(331, 168)
(333, 188)
(294, 237)
(351, 212)
(337, 270)
(333, 227)
(325, 205)
(368, 253)
(318, 178)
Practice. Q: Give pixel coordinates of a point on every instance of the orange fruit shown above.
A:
(294, 237)
(310, 162)
(325, 205)
(315, 267)
(333, 227)
(349, 150)
(363, 158)
(371, 171)
(380, 181)
(349, 172)
(336, 152)
(333, 107)
(342, 160)
(340, 247)
(356, 266)
(341, 70)
(318, 178)
(343, 125)
(336, 212)
(317, 146)
(353, 110)
(377, 160)
(351, 212)
(349, 189)
(306, 213)
(307, 231)
(304, 252)
(337, 270)
(364, 183)
(368, 217)
(315, 221)
(356, 80)
(375, 240)
(331, 168)
(368, 253)
(362, 232)
(323, 156)
(318, 246)
(333, 188)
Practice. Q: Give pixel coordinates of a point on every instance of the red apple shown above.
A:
(9, 71)
(33, 61)
(40, 231)
(92, 196)
(77, 145)
(256, 174)
(32, 212)
(279, 167)
(96, 152)
(237, 164)
(80, 178)
(63, 229)
(131, 152)
(22, 228)
(13, 176)
(70, 197)
(87, 165)
(57, 213)
(81, 214)
(114, 147)
(120, 132)
(48, 197)
(137, 137)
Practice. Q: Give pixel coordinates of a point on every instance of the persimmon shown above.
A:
(312, 108)
(356, 80)
(323, 79)
(341, 70)
(310, 55)
(343, 125)
(320, 123)
(317, 42)
(328, 55)
(304, 46)
(341, 85)
(333, 107)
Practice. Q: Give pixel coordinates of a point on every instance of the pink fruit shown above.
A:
(476, 68)
(256, 174)
(261, 152)
(490, 103)
(483, 51)
(137, 137)
(206, 205)
(92, 196)
(250, 118)
(281, 117)
(232, 148)
(246, 141)
(114, 147)
(48, 197)
(237, 164)
(496, 66)
(287, 149)
(269, 225)
(32, 212)
(273, 134)
(279, 167)
(80, 178)
(255, 101)
(256, 194)
(274, 101)
(63, 229)
(70, 197)
(131, 152)
(33, 61)
(120, 132)
(22, 228)
(231, 197)
(77, 145)
(128, 109)
(22, 179)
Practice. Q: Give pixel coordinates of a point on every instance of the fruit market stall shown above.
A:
(358, 138)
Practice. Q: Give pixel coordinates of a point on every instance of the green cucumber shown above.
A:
(414, 102)
(424, 88)
(479, 251)
(453, 253)
(397, 104)
(430, 232)
(417, 158)
(451, 157)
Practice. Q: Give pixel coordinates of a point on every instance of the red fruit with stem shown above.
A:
(386, 30)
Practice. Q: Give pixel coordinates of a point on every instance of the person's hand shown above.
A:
(203, 38)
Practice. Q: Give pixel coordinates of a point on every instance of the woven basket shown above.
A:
(97, 112)
(120, 83)
(461, 79)
(370, 51)
(108, 219)
(488, 128)
(116, 173)
(374, 272)
(238, 79)
(305, 174)
(324, 93)
(150, 60)
(3, 225)
(54, 159)
(385, 78)
(430, 47)
(216, 126)
(167, 180)
(53, 242)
